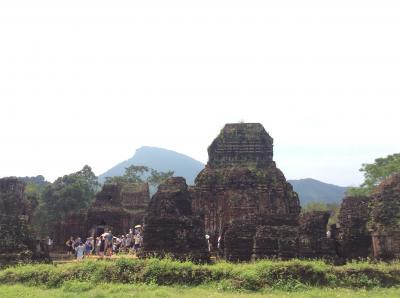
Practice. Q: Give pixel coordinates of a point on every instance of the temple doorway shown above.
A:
(100, 229)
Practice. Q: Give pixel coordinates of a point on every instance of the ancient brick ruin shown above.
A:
(242, 189)
(118, 207)
(240, 199)
(13, 207)
(313, 240)
(250, 207)
(385, 219)
(276, 236)
(18, 242)
(73, 225)
(237, 240)
(354, 239)
(171, 227)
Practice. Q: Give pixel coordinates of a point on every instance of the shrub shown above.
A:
(285, 275)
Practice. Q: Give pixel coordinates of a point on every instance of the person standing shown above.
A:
(128, 242)
(49, 243)
(109, 243)
(80, 248)
(70, 245)
(93, 242)
(88, 247)
(102, 246)
(138, 240)
(97, 246)
(77, 241)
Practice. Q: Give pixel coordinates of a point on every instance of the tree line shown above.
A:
(75, 192)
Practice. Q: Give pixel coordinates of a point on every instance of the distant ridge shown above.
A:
(161, 160)
(311, 190)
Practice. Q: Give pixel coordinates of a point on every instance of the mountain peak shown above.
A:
(159, 159)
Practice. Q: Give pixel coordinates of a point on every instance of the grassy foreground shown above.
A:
(169, 278)
(82, 289)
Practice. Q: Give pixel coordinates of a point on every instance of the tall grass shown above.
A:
(281, 275)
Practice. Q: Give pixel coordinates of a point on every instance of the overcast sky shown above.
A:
(88, 82)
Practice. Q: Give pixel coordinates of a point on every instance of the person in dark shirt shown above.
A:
(70, 245)
(102, 246)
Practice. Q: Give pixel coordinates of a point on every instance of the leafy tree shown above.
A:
(133, 174)
(87, 176)
(332, 208)
(375, 173)
(157, 177)
(315, 206)
(68, 194)
(116, 179)
(141, 174)
(36, 180)
(33, 190)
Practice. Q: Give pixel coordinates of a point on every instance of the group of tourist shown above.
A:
(105, 245)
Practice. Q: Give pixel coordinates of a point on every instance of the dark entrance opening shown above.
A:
(100, 229)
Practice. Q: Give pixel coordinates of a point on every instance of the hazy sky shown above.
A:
(88, 82)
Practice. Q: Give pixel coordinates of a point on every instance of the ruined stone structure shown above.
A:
(13, 216)
(17, 240)
(313, 240)
(242, 189)
(118, 207)
(13, 201)
(276, 236)
(171, 227)
(237, 240)
(385, 219)
(354, 237)
(73, 225)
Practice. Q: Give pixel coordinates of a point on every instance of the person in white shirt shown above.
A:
(79, 251)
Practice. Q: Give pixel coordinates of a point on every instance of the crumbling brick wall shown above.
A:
(385, 218)
(354, 238)
(171, 227)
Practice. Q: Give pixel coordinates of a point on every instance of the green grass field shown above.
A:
(82, 289)
(169, 278)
